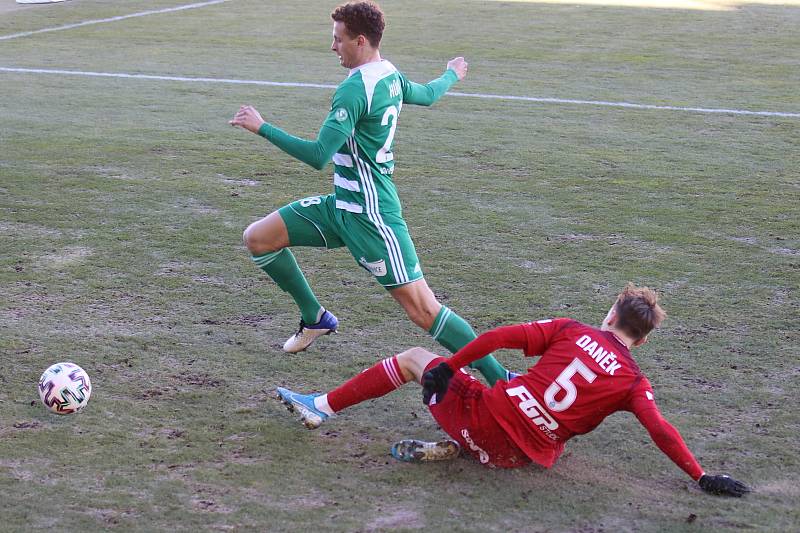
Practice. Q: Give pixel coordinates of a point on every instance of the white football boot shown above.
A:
(306, 334)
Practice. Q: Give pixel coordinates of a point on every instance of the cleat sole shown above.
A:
(416, 451)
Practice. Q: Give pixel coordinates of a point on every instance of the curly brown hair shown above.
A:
(638, 312)
(361, 18)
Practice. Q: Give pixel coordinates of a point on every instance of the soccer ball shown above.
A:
(65, 388)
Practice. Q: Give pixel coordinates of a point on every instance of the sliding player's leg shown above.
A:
(380, 379)
(461, 413)
(374, 382)
(268, 240)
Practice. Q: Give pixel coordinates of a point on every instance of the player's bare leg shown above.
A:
(268, 240)
(445, 326)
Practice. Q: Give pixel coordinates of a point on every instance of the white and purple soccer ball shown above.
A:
(65, 388)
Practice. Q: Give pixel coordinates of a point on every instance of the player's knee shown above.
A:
(413, 362)
(255, 241)
(410, 354)
(249, 239)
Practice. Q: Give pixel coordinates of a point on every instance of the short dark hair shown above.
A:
(638, 312)
(361, 18)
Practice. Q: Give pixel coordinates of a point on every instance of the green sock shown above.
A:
(282, 268)
(453, 332)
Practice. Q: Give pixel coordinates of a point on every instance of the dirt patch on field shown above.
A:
(192, 206)
(16, 470)
(177, 383)
(154, 393)
(536, 266)
(30, 230)
(253, 320)
(111, 517)
(780, 487)
(33, 471)
(785, 251)
(69, 256)
(27, 425)
(246, 320)
(28, 300)
(234, 181)
(388, 519)
(199, 379)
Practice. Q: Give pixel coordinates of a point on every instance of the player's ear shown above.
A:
(611, 317)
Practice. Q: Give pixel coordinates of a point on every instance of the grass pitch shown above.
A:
(122, 203)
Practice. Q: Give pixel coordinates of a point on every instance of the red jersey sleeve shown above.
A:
(666, 437)
(532, 338)
(486, 343)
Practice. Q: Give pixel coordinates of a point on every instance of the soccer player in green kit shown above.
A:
(364, 212)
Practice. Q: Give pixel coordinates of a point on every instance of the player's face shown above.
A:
(344, 45)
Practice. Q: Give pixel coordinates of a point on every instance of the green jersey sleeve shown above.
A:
(415, 93)
(348, 105)
(315, 153)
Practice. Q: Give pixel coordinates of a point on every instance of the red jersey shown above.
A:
(583, 376)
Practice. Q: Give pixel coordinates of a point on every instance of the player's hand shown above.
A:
(248, 118)
(724, 485)
(435, 381)
(459, 65)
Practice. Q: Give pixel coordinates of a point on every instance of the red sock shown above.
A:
(382, 378)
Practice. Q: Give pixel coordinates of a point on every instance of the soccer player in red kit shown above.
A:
(584, 374)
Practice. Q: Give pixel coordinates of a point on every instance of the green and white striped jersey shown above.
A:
(366, 107)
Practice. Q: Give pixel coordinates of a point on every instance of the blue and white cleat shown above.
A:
(308, 333)
(304, 404)
(511, 375)
(418, 451)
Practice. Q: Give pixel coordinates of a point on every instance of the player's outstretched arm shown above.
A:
(669, 441)
(513, 337)
(315, 153)
(418, 94)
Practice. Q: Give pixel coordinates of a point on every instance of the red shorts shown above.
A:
(465, 417)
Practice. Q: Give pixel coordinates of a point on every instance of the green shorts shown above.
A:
(381, 243)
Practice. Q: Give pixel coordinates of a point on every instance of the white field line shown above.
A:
(626, 105)
(631, 105)
(112, 19)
